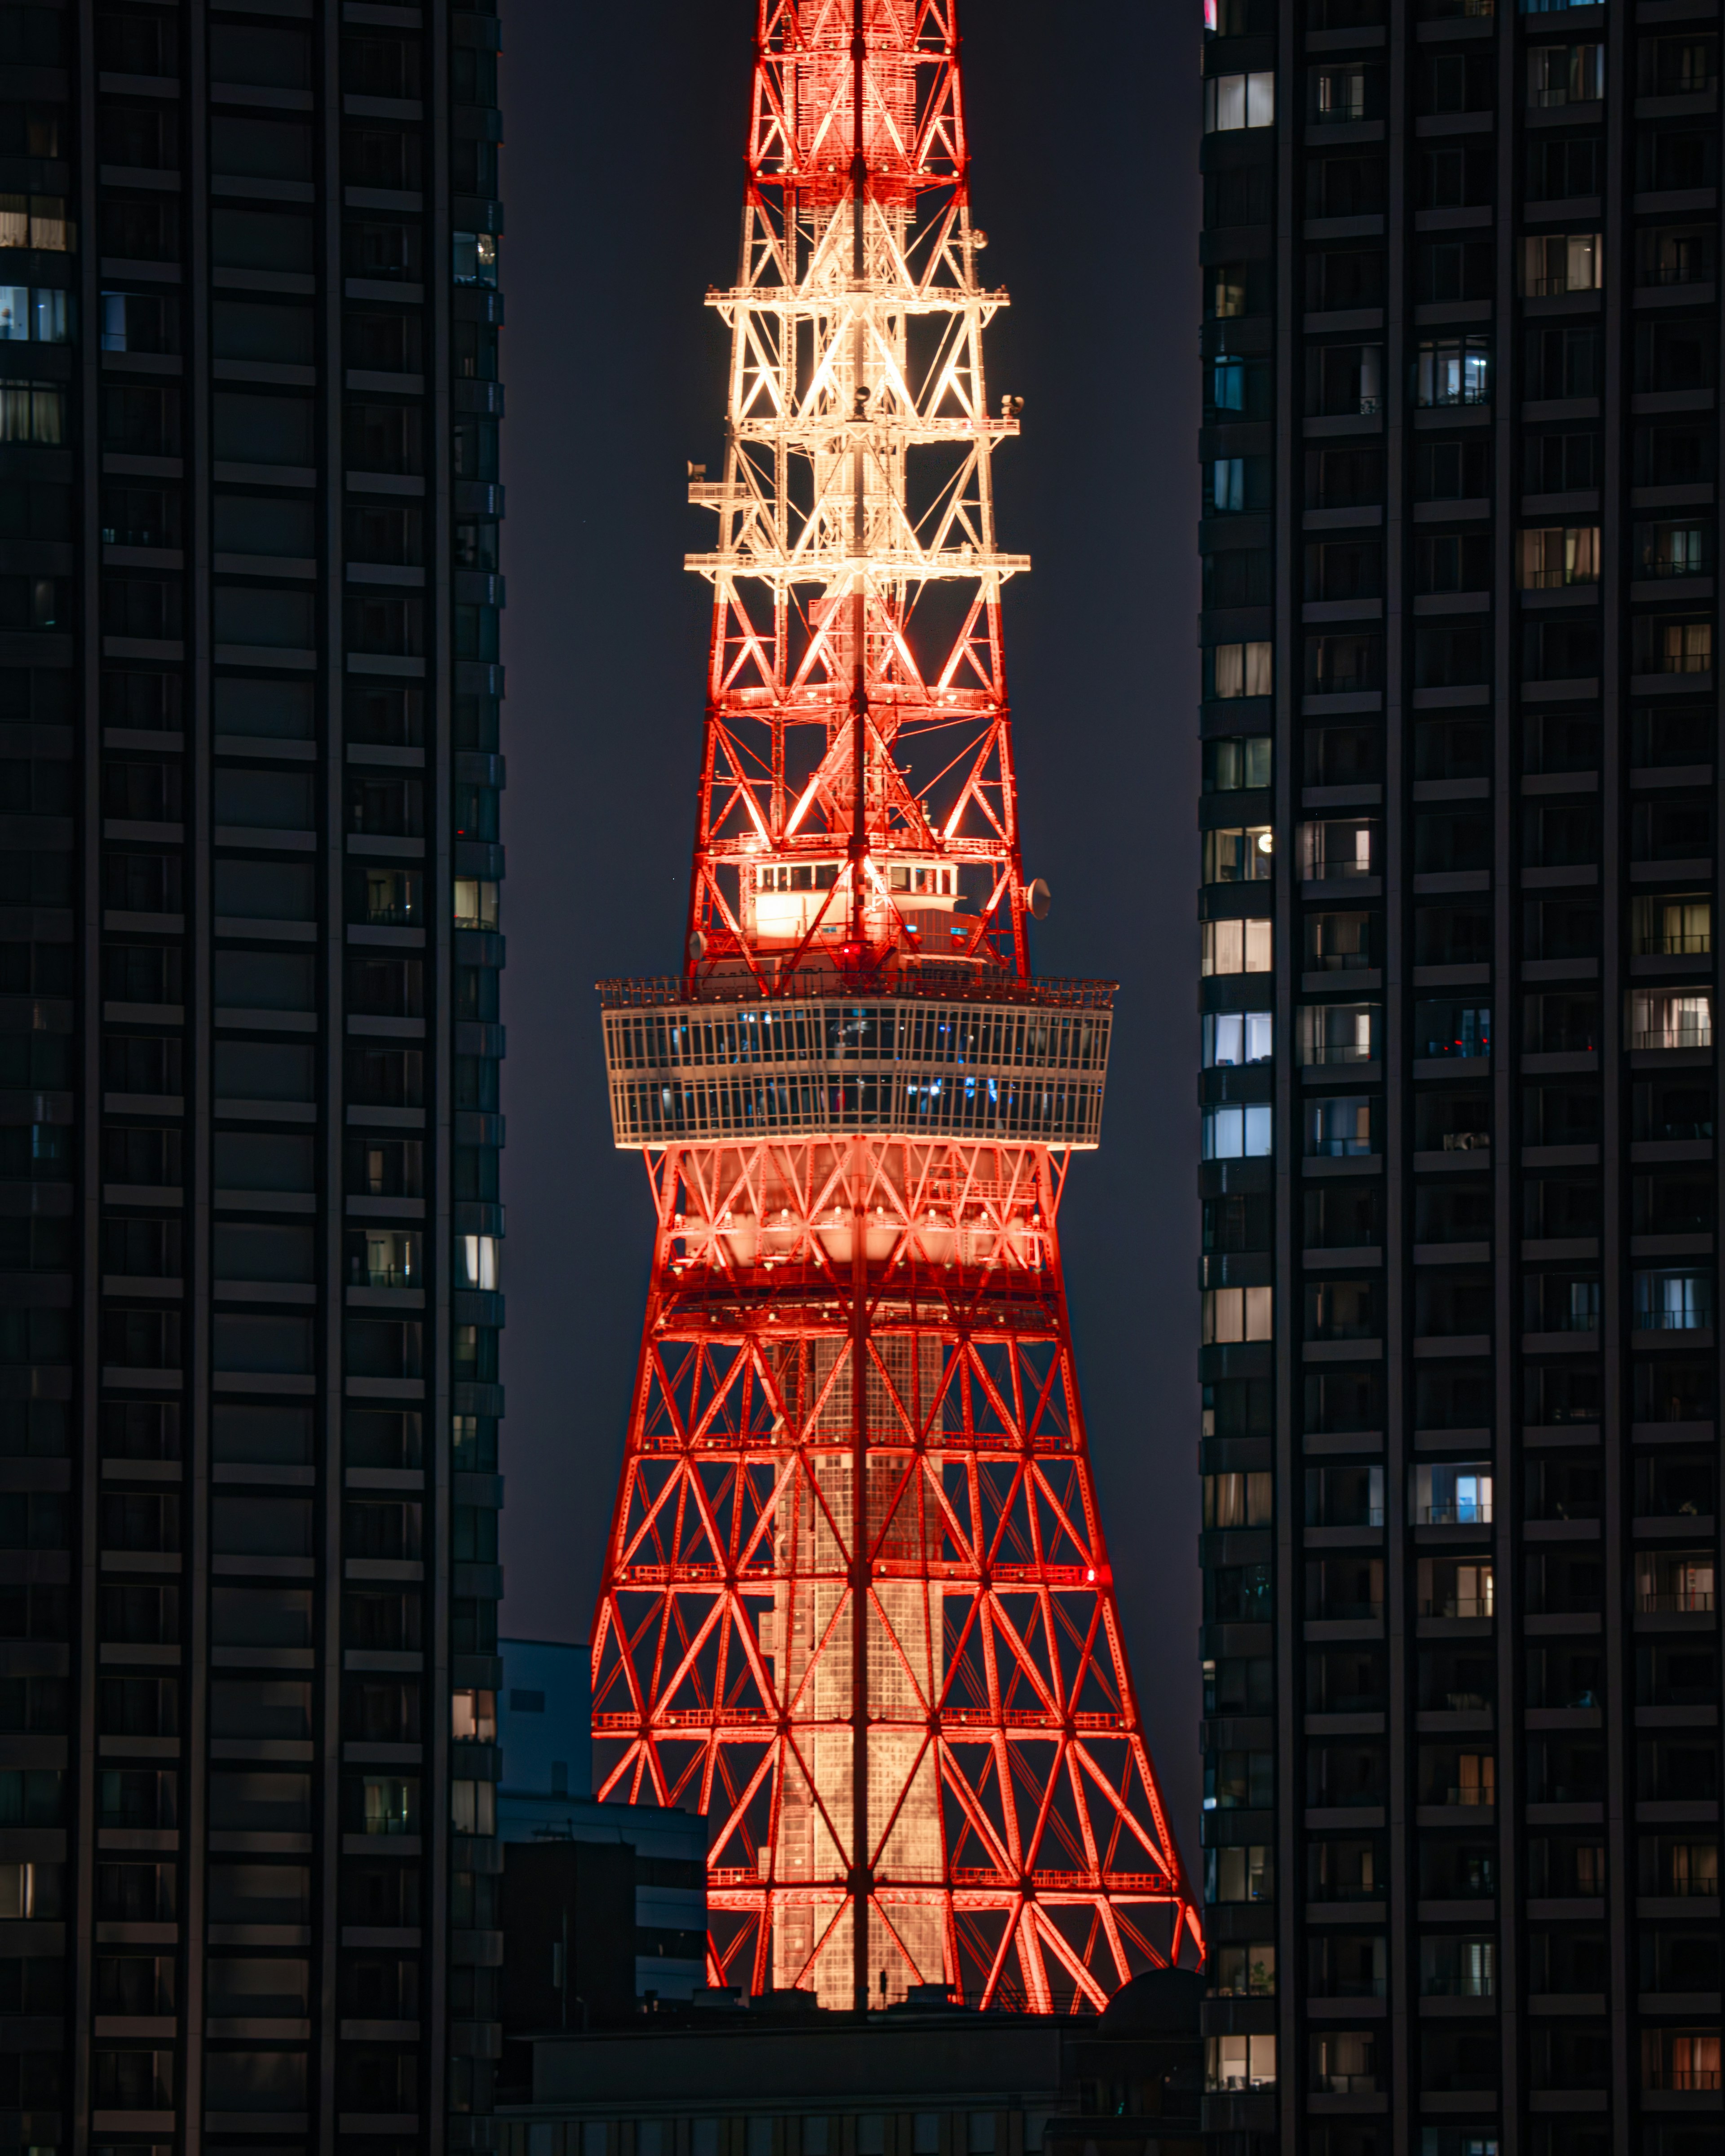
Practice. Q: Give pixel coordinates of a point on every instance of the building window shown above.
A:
(1243, 670)
(1241, 855)
(1337, 851)
(1339, 1127)
(1565, 75)
(1448, 1494)
(1238, 2063)
(1670, 1018)
(1239, 1500)
(1554, 555)
(1453, 370)
(1236, 947)
(1232, 1039)
(1235, 102)
(1234, 1314)
(1674, 1301)
(1339, 1032)
(1345, 91)
(1237, 1133)
(1562, 262)
(1240, 1875)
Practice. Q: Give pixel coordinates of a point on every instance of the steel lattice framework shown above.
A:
(857, 1605)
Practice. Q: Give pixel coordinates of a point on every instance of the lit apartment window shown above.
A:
(1452, 1588)
(1242, 670)
(1680, 2059)
(39, 319)
(1241, 855)
(1232, 1314)
(1674, 1301)
(1554, 555)
(1238, 2063)
(1677, 647)
(1338, 1128)
(1673, 550)
(1454, 370)
(1451, 1494)
(1338, 850)
(1235, 102)
(1228, 290)
(32, 412)
(1239, 1500)
(1236, 947)
(1458, 1968)
(1232, 1039)
(1562, 262)
(1664, 927)
(1241, 1133)
(1565, 75)
(1671, 1017)
(38, 222)
(1339, 1032)
(1681, 1580)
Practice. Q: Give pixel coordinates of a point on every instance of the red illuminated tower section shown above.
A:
(857, 1607)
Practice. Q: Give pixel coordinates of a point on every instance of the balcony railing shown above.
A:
(1668, 565)
(1477, 1793)
(1698, 1036)
(1690, 1601)
(1458, 1513)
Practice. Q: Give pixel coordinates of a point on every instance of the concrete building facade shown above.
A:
(1461, 1438)
(249, 1040)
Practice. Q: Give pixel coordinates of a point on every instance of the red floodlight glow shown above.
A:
(856, 1605)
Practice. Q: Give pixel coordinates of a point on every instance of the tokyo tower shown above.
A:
(856, 1606)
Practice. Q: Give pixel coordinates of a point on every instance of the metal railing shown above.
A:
(924, 981)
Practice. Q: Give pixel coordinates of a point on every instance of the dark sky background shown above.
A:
(622, 178)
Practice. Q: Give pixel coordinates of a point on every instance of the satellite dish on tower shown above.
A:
(697, 947)
(1039, 898)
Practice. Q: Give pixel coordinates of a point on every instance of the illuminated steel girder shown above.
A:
(857, 1606)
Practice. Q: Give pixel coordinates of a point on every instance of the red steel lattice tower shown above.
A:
(856, 1605)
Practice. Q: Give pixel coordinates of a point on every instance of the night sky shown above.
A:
(622, 179)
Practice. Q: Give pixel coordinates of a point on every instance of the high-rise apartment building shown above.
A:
(1460, 1444)
(249, 876)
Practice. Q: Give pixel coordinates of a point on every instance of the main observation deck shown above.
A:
(1025, 1063)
